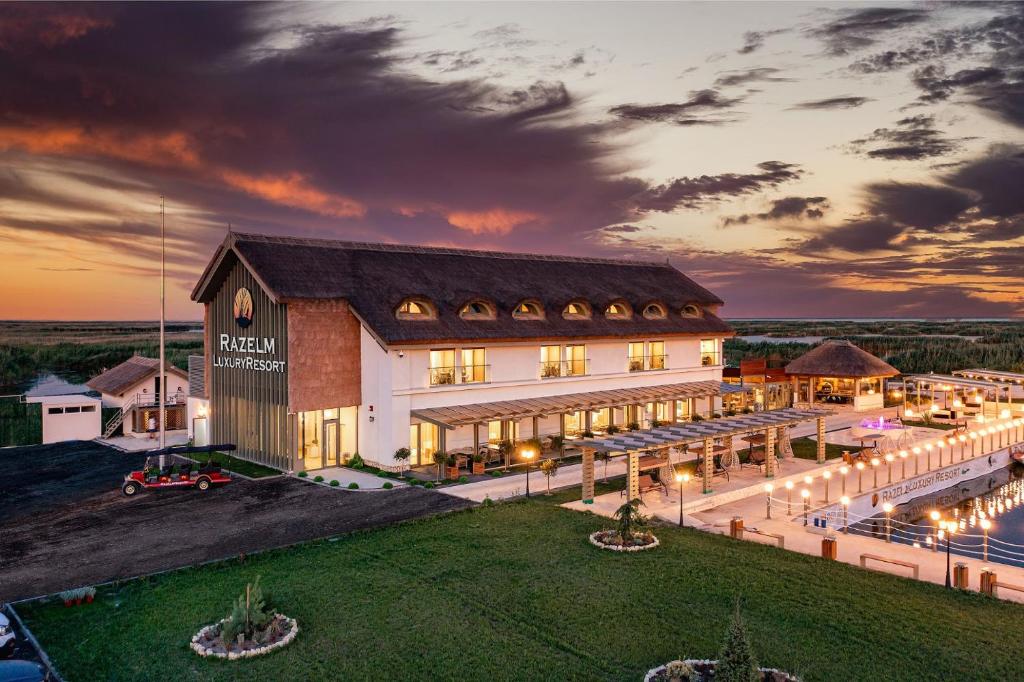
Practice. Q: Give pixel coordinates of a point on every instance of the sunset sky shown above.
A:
(798, 159)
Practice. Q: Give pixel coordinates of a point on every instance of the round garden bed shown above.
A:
(693, 670)
(279, 633)
(612, 539)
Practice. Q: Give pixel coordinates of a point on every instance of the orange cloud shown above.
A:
(175, 148)
(293, 190)
(495, 221)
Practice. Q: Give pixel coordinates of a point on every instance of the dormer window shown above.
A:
(692, 310)
(617, 311)
(655, 311)
(528, 310)
(416, 309)
(577, 310)
(477, 310)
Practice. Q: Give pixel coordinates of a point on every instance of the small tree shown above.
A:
(736, 662)
(505, 449)
(402, 455)
(603, 457)
(556, 442)
(440, 459)
(549, 467)
(630, 519)
(612, 429)
(633, 426)
(249, 616)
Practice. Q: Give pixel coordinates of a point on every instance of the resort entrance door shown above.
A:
(332, 439)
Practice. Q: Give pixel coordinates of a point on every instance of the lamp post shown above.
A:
(948, 528)
(860, 477)
(963, 442)
(985, 526)
(806, 494)
(874, 470)
(917, 459)
(974, 440)
(844, 470)
(903, 465)
(889, 457)
(935, 524)
(789, 498)
(768, 487)
(527, 454)
(845, 501)
(887, 508)
(681, 479)
(928, 455)
(826, 475)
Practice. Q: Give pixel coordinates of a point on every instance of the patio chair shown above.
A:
(647, 484)
(716, 470)
(755, 458)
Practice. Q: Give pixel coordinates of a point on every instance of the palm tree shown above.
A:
(549, 467)
(630, 519)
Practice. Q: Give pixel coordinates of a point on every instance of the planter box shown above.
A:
(478, 468)
(451, 472)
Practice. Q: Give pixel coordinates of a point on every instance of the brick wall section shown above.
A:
(323, 355)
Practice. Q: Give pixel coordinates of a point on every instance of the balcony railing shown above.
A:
(442, 376)
(564, 368)
(475, 374)
(648, 363)
(709, 358)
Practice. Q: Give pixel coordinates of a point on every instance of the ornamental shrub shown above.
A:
(319, 479)
(249, 616)
(353, 486)
(303, 474)
(428, 484)
(334, 483)
(356, 461)
(463, 479)
(736, 661)
(388, 486)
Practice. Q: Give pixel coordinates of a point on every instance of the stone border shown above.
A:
(707, 662)
(247, 653)
(619, 548)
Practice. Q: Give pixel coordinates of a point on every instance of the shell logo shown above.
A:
(243, 308)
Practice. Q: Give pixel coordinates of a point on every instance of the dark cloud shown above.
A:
(917, 204)
(997, 178)
(787, 207)
(449, 61)
(761, 74)
(691, 193)
(849, 102)
(912, 138)
(938, 86)
(859, 236)
(857, 29)
(622, 229)
(754, 40)
(694, 111)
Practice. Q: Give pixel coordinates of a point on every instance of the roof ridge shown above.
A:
(443, 250)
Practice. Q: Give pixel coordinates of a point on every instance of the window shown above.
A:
(577, 310)
(550, 361)
(75, 409)
(528, 310)
(477, 310)
(575, 361)
(656, 355)
(55, 410)
(692, 310)
(617, 311)
(636, 356)
(415, 309)
(709, 352)
(88, 408)
(423, 439)
(655, 311)
(474, 365)
(442, 367)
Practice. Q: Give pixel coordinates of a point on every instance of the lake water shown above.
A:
(997, 497)
(44, 384)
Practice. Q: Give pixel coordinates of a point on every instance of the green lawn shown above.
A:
(515, 592)
(805, 448)
(934, 424)
(235, 465)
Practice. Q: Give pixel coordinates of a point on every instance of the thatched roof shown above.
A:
(135, 369)
(840, 358)
(376, 278)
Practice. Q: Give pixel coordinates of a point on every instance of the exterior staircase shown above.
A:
(118, 418)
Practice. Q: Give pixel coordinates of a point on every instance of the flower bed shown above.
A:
(695, 670)
(280, 632)
(611, 539)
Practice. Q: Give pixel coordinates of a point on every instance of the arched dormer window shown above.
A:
(655, 311)
(416, 309)
(528, 310)
(619, 310)
(577, 310)
(477, 310)
(692, 310)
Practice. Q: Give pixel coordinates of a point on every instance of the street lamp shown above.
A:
(826, 475)
(860, 477)
(527, 454)
(948, 528)
(768, 488)
(681, 479)
(985, 526)
(806, 494)
(789, 498)
(844, 470)
(889, 458)
(887, 508)
(845, 501)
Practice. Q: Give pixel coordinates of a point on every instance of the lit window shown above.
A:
(709, 355)
(550, 361)
(692, 310)
(415, 309)
(617, 311)
(577, 310)
(654, 311)
(474, 365)
(442, 367)
(477, 310)
(528, 310)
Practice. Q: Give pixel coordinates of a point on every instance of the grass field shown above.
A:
(805, 448)
(515, 592)
(236, 465)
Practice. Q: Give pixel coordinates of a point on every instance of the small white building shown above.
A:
(68, 417)
(135, 387)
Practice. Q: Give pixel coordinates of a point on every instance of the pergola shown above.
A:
(477, 414)
(634, 443)
(991, 375)
(947, 383)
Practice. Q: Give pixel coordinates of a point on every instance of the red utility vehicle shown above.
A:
(175, 475)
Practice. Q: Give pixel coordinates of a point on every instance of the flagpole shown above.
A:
(163, 374)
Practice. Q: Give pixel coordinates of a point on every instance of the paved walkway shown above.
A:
(133, 444)
(344, 476)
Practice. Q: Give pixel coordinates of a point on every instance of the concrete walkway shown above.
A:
(133, 444)
(344, 476)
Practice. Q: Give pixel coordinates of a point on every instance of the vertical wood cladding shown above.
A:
(249, 407)
(324, 371)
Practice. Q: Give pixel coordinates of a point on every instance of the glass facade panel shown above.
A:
(474, 365)
(709, 352)
(656, 355)
(422, 444)
(311, 439)
(636, 356)
(550, 361)
(600, 419)
(442, 367)
(576, 360)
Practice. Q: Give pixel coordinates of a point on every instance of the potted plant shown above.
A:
(633, 426)
(402, 455)
(440, 458)
(655, 423)
(557, 442)
(612, 429)
(587, 434)
(549, 467)
(697, 418)
(452, 467)
(478, 463)
(505, 449)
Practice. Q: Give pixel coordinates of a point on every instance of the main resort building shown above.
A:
(318, 349)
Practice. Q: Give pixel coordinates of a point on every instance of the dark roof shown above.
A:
(130, 372)
(840, 358)
(376, 278)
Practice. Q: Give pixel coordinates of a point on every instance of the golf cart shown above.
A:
(174, 474)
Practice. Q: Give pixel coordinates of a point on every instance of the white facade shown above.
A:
(69, 417)
(177, 390)
(397, 380)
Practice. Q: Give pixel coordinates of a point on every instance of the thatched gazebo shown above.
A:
(839, 372)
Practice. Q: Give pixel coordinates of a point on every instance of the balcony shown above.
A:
(442, 376)
(646, 364)
(710, 358)
(475, 374)
(564, 368)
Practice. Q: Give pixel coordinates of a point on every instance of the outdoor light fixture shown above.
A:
(903, 464)
(887, 508)
(826, 475)
(889, 459)
(860, 477)
(808, 480)
(681, 479)
(949, 528)
(806, 494)
(928, 455)
(789, 498)
(768, 488)
(874, 468)
(845, 501)
(844, 470)
(527, 454)
(935, 516)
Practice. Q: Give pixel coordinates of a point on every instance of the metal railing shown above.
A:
(710, 358)
(475, 374)
(648, 363)
(153, 399)
(442, 376)
(564, 368)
